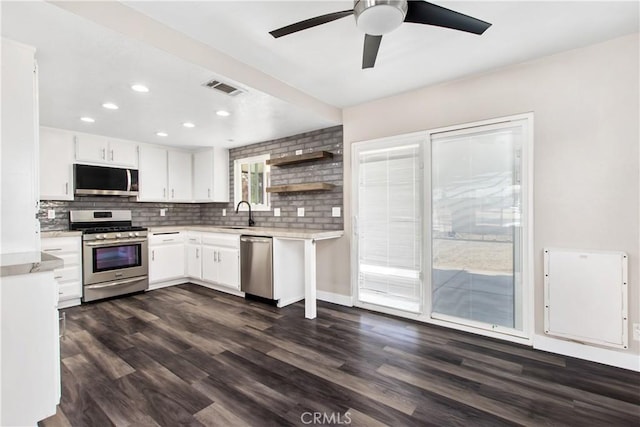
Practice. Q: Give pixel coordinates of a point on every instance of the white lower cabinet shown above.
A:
(69, 277)
(166, 257)
(214, 258)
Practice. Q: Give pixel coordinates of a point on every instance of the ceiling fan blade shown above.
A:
(309, 23)
(422, 12)
(370, 52)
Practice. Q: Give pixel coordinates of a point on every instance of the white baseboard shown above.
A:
(624, 360)
(68, 303)
(215, 287)
(333, 298)
(160, 285)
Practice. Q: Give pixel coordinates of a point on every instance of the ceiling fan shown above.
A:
(378, 17)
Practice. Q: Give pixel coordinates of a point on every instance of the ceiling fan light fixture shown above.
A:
(378, 17)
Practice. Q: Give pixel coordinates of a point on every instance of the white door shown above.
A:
(56, 164)
(123, 153)
(210, 264)
(179, 176)
(194, 261)
(229, 267)
(202, 175)
(152, 174)
(166, 262)
(91, 148)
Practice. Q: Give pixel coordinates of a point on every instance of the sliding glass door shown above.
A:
(476, 230)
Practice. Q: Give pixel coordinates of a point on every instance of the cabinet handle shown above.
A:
(153, 255)
(104, 151)
(215, 256)
(209, 193)
(197, 253)
(53, 249)
(219, 256)
(112, 155)
(64, 325)
(164, 193)
(57, 277)
(173, 193)
(66, 188)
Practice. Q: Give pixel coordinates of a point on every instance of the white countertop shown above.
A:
(60, 233)
(15, 264)
(290, 233)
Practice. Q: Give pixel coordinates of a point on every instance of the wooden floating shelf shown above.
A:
(294, 188)
(300, 158)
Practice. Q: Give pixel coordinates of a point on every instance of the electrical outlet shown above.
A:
(335, 212)
(298, 152)
(636, 331)
(276, 211)
(224, 212)
(51, 214)
(163, 212)
(300, 211)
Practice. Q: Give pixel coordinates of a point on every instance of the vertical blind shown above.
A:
(389, 225)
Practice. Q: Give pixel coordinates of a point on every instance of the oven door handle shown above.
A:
(115, 242)
(116, 283)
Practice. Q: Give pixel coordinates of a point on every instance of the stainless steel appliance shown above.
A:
(114, 253)
(105, 181)
(256, 266)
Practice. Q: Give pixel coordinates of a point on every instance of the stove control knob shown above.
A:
(136, 234)
(131, 234)
(118, 235)
(99, 237)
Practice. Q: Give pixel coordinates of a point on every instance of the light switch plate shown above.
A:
(276, 211)
(51, 214)
(224, 212)
(163, 212)
(300, 211)
(335, 212)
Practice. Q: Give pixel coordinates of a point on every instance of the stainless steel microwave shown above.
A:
(104, 181)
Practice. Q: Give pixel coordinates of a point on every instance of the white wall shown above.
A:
(586, 148)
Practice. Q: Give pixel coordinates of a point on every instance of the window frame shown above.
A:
(237, 179)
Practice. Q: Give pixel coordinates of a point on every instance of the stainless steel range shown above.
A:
(114, 253)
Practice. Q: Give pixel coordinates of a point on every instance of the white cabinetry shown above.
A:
(152, 174)
(20, 228)
(211, 175)
(193, 253)
(166, 257)
(102, 150)
(30, 358)
(221, 259)
(180, 178)
(69, 277)
(56, 164)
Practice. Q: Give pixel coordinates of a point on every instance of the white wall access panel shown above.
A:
(585, 296)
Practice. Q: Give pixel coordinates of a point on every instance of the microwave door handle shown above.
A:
(128, 179)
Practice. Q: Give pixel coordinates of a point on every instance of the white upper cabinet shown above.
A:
(211, 175)
(56, 164)
(152, 174)
(20, 228)
(179, 176)
(106, 151)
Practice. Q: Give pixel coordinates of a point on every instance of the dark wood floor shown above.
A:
(186, 355)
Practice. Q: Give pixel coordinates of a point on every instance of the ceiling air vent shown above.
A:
(222, 87)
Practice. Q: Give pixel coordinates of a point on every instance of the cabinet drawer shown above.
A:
(69, 291)
(226, 240)
(60, 244)
(67, 274)
(68, 258)
(194, 238)
(164, 239)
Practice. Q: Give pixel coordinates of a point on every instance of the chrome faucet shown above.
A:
(251, 221)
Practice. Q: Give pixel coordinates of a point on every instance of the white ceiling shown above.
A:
(83, 64)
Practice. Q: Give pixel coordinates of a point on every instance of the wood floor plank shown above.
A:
(188, 355)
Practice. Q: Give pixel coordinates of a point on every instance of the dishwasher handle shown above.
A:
(255, 239)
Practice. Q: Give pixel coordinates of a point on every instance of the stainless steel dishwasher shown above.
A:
(256, 266)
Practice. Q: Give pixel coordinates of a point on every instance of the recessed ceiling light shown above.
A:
(110, 106)
(87, 119)
(162, 134)
(140, 88)
(188, 125)
(223, 113)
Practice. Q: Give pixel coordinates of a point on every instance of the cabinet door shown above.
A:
(152, 174)
(209, 264)
(166, 262)
(91, 148)
(123, 153)
(179, 176)
(203, 175)
(194, 261)
(56, 164)
(229, 267)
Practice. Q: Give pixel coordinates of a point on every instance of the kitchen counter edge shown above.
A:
(16, 264)
(255, 231)
(60, 233)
